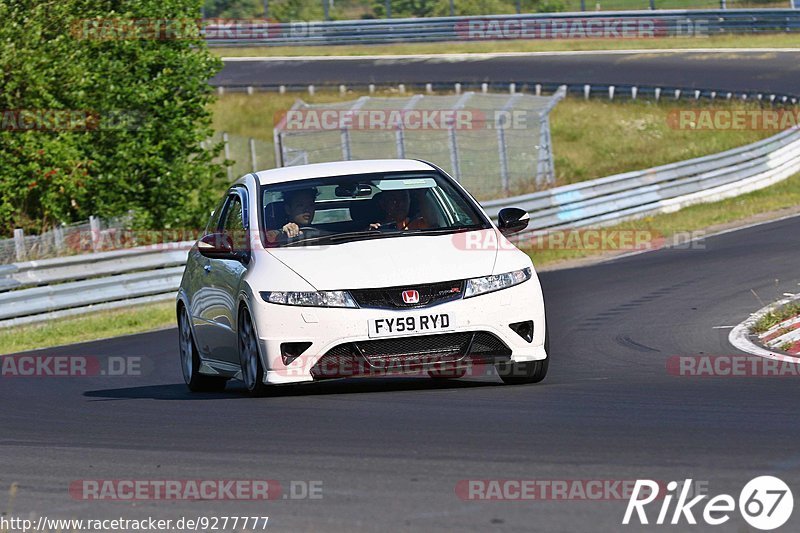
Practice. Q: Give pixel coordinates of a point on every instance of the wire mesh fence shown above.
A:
(495, 144)
(94, 235)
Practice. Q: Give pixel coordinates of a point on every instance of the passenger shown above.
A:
(395, 206)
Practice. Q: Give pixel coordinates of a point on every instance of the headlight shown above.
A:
(476, 286)
(310, 299)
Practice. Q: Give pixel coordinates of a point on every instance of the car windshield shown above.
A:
(340, 209)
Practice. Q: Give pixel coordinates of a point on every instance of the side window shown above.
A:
(213, 222)
(233, 225)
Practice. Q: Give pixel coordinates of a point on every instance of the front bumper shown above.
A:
(341, 346)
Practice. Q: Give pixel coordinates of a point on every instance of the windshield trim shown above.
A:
(483, 221)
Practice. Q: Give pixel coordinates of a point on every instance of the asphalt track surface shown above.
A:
(769, 72)
(390, 452)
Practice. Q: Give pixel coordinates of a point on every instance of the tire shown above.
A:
(249, 359)
(528, 372)
(190, 359)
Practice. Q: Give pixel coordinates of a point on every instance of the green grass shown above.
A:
(780, 40)
(776, 317)
(596, 138)
(87, 327)
(781, 196)
(591, 139)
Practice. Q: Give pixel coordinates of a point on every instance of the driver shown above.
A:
(395, 206)
(299, 206)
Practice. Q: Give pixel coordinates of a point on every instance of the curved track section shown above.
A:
(767, 71)
(390, 452)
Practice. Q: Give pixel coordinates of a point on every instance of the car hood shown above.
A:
(393, 261)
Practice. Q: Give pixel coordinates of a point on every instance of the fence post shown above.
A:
(58, 237)
(453, 139)
(227, 155)
(253, 161)
(19, 245)
(277, 144)
(502, 149)
(94, 229)
(545, 170)
(399, 136)
(347, 154)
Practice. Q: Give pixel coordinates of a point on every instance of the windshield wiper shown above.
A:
(376, 234)
(340, 237)
(440, 231)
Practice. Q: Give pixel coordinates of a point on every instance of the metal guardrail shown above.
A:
(661, 189)
(499, 27)
(36, 291)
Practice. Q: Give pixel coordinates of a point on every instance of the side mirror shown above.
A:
(216, 246)
(512, 220)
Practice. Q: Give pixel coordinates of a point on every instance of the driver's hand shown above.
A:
(374, 225)
(291, 229)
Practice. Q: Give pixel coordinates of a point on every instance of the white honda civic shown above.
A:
(357, 268)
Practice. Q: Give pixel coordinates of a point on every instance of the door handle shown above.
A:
(207, 268)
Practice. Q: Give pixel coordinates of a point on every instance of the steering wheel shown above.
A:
(388, 225)
(309, 231)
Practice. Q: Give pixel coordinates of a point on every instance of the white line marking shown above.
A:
(467, 56)
(739, 336)
(723, 327)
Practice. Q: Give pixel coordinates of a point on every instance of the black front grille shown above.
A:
(456, 343)
(408, 353)
(392, 297)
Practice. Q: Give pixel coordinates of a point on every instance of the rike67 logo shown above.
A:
(765, 503)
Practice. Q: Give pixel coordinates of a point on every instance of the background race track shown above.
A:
(744, 70)
(390, 451)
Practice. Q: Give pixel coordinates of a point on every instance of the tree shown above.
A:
(146, 99)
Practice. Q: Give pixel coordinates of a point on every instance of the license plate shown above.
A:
(411, 323)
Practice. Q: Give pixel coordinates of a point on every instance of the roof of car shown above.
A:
(339, 168)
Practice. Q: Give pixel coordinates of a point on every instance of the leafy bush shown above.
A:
(150, 164)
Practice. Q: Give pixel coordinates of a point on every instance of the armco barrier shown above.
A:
(42, 290)
(35, 291)
(660, 189)
(685, 23)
